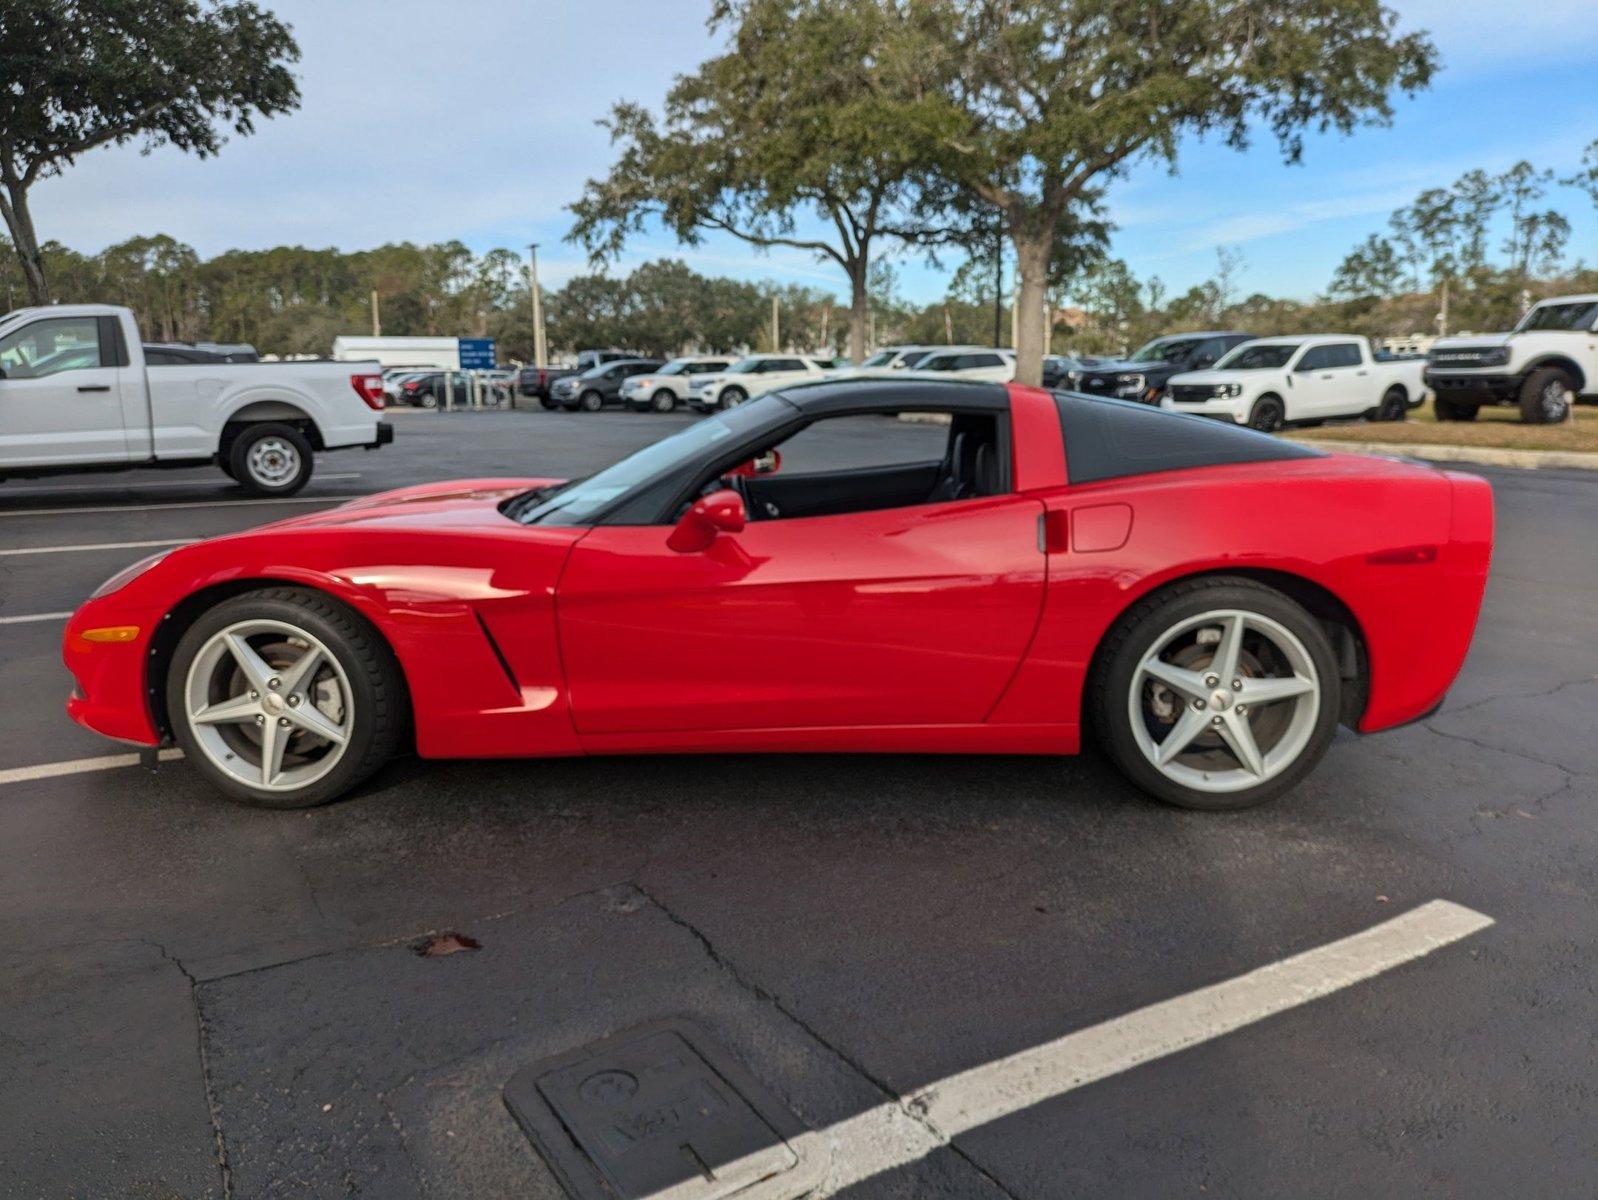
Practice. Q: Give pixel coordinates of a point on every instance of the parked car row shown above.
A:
(1265, 383)
(427, 387)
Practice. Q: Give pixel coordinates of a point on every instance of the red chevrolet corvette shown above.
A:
(990, 578)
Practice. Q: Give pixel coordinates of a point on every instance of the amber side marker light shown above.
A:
(111, 633)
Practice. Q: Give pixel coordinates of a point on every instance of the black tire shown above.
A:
(1394, 405)
(591, 401)
(548, 402)
(1267, 415)
(270, 459)
(1546, 396)
(731, 397)
(429, 401)
(1116, 663)
(663, 401)
(381, 706)
(226, 466)
(1454, 410)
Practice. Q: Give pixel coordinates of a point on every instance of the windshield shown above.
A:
(745, 366)
(1258, 358)
(880, 359)
(1560, 318)
(1165, 350)
(577, 502)
(916, 357)
(675, 367)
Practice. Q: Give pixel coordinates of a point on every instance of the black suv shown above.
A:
(1143, 375)
(600, 385)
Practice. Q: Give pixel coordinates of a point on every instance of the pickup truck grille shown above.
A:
(1191, 393)
(1485, 356)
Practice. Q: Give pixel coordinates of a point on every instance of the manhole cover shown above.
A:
(659, 1112)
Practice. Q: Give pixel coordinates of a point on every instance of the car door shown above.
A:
(61, 394)
(780, 372)
(912, 615)
(1347, 382)
(1311, 380)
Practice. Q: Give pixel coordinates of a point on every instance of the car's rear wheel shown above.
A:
(284, 698)
(1220, 693)
(270, 459)
(732, 397)
(1454, 410)
(591, 401)
(1546, 397)
(663, 401)
(1267, 414)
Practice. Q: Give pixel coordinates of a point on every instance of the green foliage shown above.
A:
(819, 109)
(1057, 96)
(80, 74)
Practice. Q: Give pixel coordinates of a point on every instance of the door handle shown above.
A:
(94, 387)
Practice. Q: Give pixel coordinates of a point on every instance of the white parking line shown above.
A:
(898, 1133)
(7, 493)
(121, 508)
(31, 617)
(96, 546)
(78, 766)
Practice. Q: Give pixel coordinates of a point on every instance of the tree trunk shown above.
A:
(19, 222)
(859, 309)
(1032, 303)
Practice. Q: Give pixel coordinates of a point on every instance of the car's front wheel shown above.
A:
(1546, 397)
(663, 401)
(1219, 693)
(284, 698)
(1267, 414)
(732, 397)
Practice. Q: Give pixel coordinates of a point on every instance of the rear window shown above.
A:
(1113, 439)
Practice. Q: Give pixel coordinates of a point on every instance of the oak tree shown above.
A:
(79, 74)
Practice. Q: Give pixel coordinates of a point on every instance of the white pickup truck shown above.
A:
(1542, 365)
(1271, 382)
(77, 393)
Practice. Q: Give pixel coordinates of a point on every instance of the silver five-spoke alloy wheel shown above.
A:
(1224, 701)
(273, 461)
(269, 704)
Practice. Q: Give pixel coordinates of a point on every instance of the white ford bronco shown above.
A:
(1547, 362)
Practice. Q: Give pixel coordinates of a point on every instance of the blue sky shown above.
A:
(476, 121)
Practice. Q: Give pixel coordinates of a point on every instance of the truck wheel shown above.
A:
(1546, 397)
(1454, 410)
(591, 401)
(1394, 405)
(1267, 414)
(270, 459)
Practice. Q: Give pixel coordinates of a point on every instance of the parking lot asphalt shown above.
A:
(200, 999)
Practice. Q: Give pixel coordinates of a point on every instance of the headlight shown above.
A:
(127, 575)
(1131, 383)
(1073, 376)
(1228, 391)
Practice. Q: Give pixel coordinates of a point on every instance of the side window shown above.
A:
(985, 360)
(50, 347)
(1344, 354)
(1208, 352)
(785, 364)
(867, 462)
(1316, 358)
(613, 373)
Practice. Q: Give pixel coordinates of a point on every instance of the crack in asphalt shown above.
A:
(911, 1111)
(224, 1168)
(1481, 745)
(1551, 691)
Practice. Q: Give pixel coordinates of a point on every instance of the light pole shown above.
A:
(540, 357)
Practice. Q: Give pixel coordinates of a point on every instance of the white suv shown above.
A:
(753, 376)
(987, 366)
(665, 389)
(1543, 365)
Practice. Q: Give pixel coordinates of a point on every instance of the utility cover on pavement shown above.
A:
(659, 1111)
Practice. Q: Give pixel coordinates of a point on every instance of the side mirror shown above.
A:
(720, 512)
(766, 464)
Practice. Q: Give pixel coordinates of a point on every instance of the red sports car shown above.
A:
(989, 576)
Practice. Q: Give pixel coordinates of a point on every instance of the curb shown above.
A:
(1488, 456)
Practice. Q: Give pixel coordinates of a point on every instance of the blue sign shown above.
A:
(477, 354)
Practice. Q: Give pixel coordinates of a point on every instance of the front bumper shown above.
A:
(1497, 385)
(110, 696)
(1225, 408)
